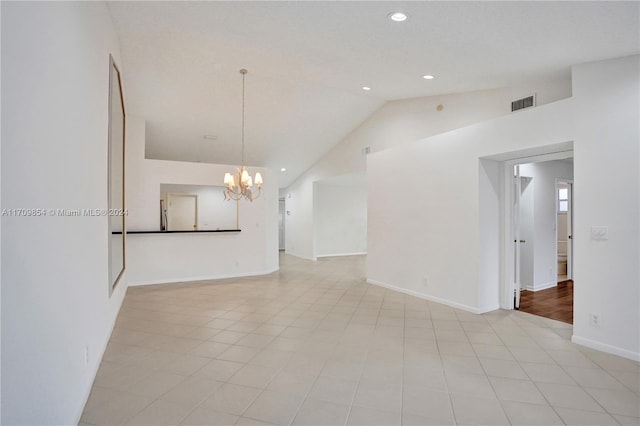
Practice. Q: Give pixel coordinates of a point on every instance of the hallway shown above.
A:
(554, 303)
(315, 344)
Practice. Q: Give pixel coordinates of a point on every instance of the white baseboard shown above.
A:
(201, 278)
(539, 287)
(489, 308)
(297, 255)
(625, 353)
(360, 253)
(446, 302)
(96, 367)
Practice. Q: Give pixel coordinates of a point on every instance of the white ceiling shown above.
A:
(308, 60)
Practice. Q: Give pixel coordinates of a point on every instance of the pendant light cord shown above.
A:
(243, 72)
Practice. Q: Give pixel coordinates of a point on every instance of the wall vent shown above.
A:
(528, 102)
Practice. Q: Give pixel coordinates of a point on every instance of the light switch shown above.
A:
(600, 233)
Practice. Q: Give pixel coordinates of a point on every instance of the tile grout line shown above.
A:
(355, 393)
(146, 327)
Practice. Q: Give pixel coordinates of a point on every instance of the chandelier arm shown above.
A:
(233, 195)
(258, 194)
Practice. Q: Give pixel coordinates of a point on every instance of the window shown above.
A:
(563, 200)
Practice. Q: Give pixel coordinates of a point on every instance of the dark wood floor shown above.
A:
(555, 303)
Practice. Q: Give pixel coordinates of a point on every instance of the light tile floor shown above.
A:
(314, 344)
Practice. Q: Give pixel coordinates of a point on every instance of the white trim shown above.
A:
(543, 286)
(201, 278)
(569, 213)
(286, 251)
(489, 308)
(435, 299)
(625, 353)
(358, 253)
(508, 160)
(94, 371)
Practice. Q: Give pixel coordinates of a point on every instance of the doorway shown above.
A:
(529, 247)
(281, 222)
(340, 216)
(564, 192)
(541, 230)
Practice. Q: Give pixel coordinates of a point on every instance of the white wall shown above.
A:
(55, 285)
(544, 256)
(340, 212)
(606, 192)
(159, 258)
(437, 236)
(460, 257)
(488, 222)
(394, 124)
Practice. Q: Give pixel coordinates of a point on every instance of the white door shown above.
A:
(570, 231)
(565, 238)
(281, 213)
(517, 191)
(182, 212)
(526, 229)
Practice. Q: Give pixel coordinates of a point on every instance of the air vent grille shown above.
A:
(528, 102)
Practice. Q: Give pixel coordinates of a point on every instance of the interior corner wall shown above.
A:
(341, 219)
(162, 258)
(544, 255)
(55, 289)
(422, 239)
(394, 124)
(489, 216)
(606, 193)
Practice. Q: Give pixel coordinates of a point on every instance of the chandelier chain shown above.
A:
(244, 73)
(239, 185)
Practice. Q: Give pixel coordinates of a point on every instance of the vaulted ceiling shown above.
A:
(308, 62)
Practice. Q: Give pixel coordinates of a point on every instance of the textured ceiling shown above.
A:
(308, 60)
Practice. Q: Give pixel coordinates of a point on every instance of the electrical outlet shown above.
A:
(600, 233)
(86, 355)
(424, 281)
(595, 319)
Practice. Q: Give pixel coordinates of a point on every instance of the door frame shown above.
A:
(516, 192)
(569, 183)
(507, 248)
(282, 229)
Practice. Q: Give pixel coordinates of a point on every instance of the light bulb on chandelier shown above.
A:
(239, 184)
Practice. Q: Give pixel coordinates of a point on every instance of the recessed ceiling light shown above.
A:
(428, 77)
(366, 88)
(397, 16)
(211, 137)
(283, 169)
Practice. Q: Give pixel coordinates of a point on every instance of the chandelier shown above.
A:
(239, 184)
